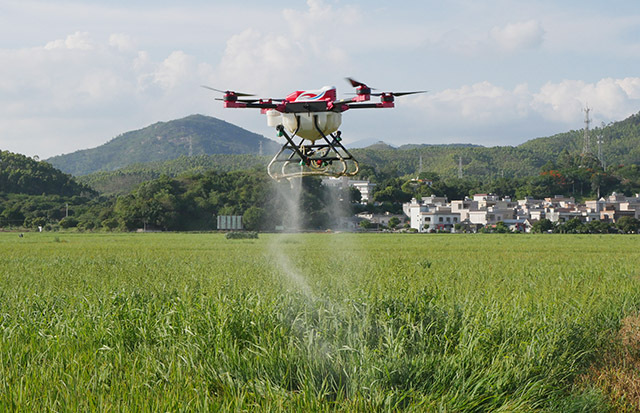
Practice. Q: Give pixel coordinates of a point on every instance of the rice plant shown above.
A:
(348, 322)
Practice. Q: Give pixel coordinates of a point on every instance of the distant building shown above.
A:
(380, 219)
(435, 213)
(229, 222)
(365, 187)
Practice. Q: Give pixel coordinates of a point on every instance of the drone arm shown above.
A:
(380, 105)
(252, 105)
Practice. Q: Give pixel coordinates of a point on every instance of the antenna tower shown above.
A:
(190, 146)
(586, 148)
(600, 142)
(460, 167)
(420, 166)
(260, 150)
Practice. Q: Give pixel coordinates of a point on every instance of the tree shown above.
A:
(628, 225)
(354, 194)
(572, 226)
(365, 224)
(68, 222)
(253, 219)
(502, 228)
(110, 224)
(542, 226)
(393, 222)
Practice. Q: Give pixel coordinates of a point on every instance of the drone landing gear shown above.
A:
(328, 158)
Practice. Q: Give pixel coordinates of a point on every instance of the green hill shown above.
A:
(621, 145)
(20, 174)
(620, 142)
(123, 180)
(162, 141)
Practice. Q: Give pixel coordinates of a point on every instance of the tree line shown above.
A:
(34, 194)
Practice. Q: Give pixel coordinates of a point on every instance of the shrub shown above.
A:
(242, 235)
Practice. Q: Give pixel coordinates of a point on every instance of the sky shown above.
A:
(75, 74)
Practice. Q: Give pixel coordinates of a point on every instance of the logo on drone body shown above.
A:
(312, 96)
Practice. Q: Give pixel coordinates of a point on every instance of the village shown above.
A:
(488, 211)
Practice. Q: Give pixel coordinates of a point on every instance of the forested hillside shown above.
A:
(20, 174)
(123, 180)
(34, 193)
(620, 142)
(162, 141)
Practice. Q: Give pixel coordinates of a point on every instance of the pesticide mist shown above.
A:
(291, 196)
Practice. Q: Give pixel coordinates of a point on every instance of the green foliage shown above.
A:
(628, 225)
(124, 180)
(20, 174)
(176, 322)
(254, 218)
(241, 235)
(542, 226)
(365, 224)
(68, 222)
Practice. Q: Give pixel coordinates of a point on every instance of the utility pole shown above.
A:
(66, 210)
(586, 148)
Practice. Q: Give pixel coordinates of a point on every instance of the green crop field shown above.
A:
(313, 322)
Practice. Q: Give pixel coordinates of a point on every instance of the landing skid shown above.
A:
(327, 158)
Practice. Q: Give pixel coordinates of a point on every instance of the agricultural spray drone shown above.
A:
(314, 116)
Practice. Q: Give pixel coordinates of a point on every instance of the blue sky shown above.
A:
(74, 74)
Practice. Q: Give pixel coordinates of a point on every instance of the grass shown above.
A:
(314, 322)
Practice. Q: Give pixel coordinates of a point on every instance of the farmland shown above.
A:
(184, 322)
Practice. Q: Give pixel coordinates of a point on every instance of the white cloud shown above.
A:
(482, 103)
(611, 99)
(476, 41)
(122, 42)
(76, 41)
(174, 70)
(63, 90)
(255, 60)
(482, 109)
(516, 36)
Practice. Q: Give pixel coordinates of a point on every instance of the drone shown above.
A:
(309, 121)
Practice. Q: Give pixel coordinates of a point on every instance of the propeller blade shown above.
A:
(399, 93)
(355, 83)
(239, 94)
(409, 93)
(241, 100)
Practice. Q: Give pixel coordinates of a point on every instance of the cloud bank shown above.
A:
(93, 80)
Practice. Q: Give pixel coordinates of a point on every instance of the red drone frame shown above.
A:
(312, 115)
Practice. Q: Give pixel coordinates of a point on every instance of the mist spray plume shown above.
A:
(291, 196)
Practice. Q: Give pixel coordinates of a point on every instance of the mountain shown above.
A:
(162, 141)
(621, 145)
(380, 146)
(20, 174)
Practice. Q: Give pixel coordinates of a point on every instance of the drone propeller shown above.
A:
(399, 93)
(230, 95)
(228, 92)
(355, 83)
(240, 100)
